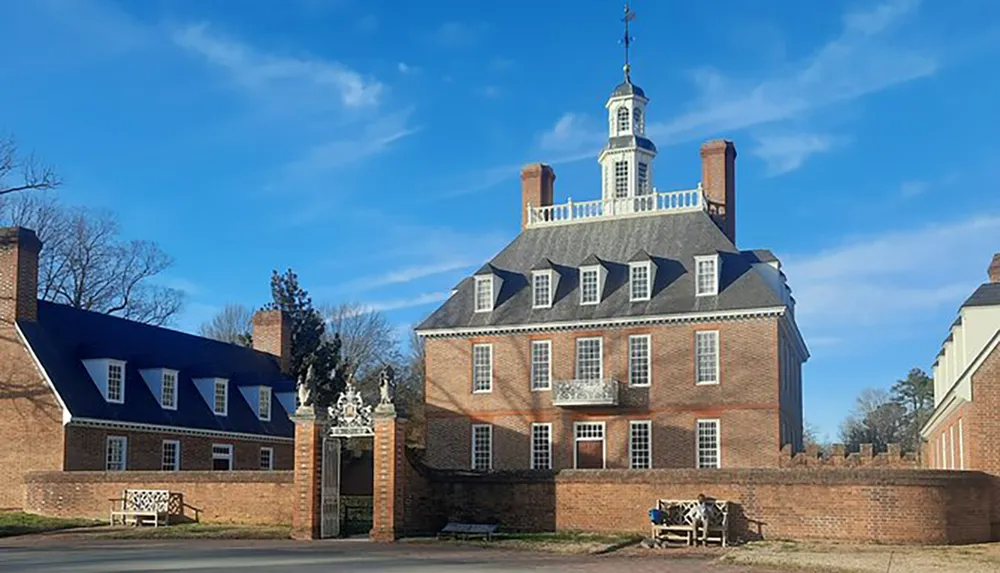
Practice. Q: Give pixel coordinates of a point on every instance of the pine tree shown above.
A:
(915, 394)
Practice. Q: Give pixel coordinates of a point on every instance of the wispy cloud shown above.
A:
(401, 303)
(571, 132)
(787, 152)
(373, 138)
(410, 273)
(913, 189)
(456, 34)
(407, 69)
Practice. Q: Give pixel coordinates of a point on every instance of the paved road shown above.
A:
(354, 556)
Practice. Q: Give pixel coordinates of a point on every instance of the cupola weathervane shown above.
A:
(627, 40)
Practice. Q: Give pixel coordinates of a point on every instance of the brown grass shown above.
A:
(845, 558)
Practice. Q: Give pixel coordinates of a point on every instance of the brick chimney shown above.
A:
(994, 270)
(718, 180)
(272, 333)
(19, 248)
(537, 187)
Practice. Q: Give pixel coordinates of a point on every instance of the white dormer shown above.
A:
(108, 375)
(640, 281)
(162, 382)
(215, 392)
(288, 400)
(593, 276)
(486, 286)
(259, 399)
(706, 280)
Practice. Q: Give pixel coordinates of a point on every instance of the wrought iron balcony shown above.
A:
(585, 393)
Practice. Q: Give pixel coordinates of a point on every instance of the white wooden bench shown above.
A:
(137, 506)
(679, 517)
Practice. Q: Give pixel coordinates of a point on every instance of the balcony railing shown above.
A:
(652, 204)
(585, 393)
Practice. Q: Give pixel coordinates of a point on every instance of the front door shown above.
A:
(330, 490)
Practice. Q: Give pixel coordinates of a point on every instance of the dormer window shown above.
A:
(541, 289)
(116, 382)
(484, 294)
(590, 285)
(640, 279)
(706, 275)
(264, 404)
(637, 120)
(623, 120)
(168, 390)
(221, 402)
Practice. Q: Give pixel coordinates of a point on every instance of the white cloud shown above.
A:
(287, 76)
(412, 273)
(787, 152)
(409, 302)
(407, 69)
(571, 132)
(913, 189)
(371, 139)
(456, 34)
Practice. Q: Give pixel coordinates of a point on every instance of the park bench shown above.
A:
(677, 521)
(136, 506)
(465, 530)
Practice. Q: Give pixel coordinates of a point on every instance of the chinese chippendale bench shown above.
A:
(677, 521)
(137, 506)
(465, 530)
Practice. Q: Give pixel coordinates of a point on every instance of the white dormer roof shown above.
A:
(206, 387)
(98, 369)
(153, 377)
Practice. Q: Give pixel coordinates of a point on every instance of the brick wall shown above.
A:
(212, 497)
(85, 450)
(838, 457)
(746, 401)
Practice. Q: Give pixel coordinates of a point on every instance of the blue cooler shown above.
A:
(656, 516)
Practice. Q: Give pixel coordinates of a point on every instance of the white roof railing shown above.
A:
(686, 201)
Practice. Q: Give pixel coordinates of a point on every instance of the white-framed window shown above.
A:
(220, 405)
(264, 403)
(482, 368)
(589, 359)
(961, 447)
(267, 459)
(638, 360)
(116, 382)
(706, 362)
(585, 450)
(706, 275)
(639, 281)
(222, 457)
(116, 458)
(951, 447)
(642, 171)
(637, 121)
(621, 179)
(541, 446)
(482, 447)
(623, 120)
(708, 444)
(590, 285)
(171, 458)
(541, 289)
(484, 294)
(168, 390)
(640, 445)
(541, 365)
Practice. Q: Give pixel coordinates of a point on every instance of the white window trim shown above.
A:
(107, 381)
(107, 446)
(474, 389)
(596, 269)
(718, 355)
(603, 439)
(649, 281)
(548, 303)
(225, 396)
(177, 453)
(548, 444)
(649, 360)
(472, 450)
(265, 391)
(961, 447)
(649, 428)
(475, 294)
(270, 458)
(228, 456)
(576, 355)
(163, 377)
(715, 284)
(531, 380)
(951, 447)
(718, 443)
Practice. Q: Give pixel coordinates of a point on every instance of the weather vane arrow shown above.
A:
(627, 40)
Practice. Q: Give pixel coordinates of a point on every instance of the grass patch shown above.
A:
(197, 531)
(561, 542)
(20, 523)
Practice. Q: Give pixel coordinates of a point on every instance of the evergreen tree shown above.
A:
(915, 395)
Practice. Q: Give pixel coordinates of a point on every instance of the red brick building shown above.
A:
(963, 433)
(624, 332)
(86, 391)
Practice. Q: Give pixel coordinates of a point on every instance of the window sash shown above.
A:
(623, 119)
(639, 360)
(541, 365)
(542, 290)
(589, 359)
(708, 444)
(168, 390)
(621, 179)
(639, 282)
(706, 357)
(482, 368)
(541, 446)
(116, 454)
(640, 445)
(116, 379)
(707, 277)
(264, 403)
(590, 286)
(223, 454)
(642, 171)
(482, 447)
(170, 460)
(221, 402)
(484, 294)
(267, 459)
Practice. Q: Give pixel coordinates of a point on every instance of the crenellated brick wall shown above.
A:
(838, 457)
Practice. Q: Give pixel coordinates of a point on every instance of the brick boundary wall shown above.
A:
(250, 497)
(875, 505)
(838, 457)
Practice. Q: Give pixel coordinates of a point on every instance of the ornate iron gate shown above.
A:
(330, 489)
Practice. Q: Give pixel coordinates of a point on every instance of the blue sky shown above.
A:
(374, 146)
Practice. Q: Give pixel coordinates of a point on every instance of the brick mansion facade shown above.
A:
(625, 332)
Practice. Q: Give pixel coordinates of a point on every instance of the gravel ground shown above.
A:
(820, 557)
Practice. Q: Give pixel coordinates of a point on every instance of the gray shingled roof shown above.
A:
(628, 88)
(986, 295)
(671, 240)
(629, 141)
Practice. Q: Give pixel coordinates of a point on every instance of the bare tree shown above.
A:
(876, 420)
(20, 172)
(85, 263)
(233, 324)
(368, 340)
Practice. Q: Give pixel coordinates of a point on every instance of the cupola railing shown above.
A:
(650, 204)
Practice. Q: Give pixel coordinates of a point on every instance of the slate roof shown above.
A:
(628, 88)
(628, 141)
(671, 241)
(63, 336)
(986, 295)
